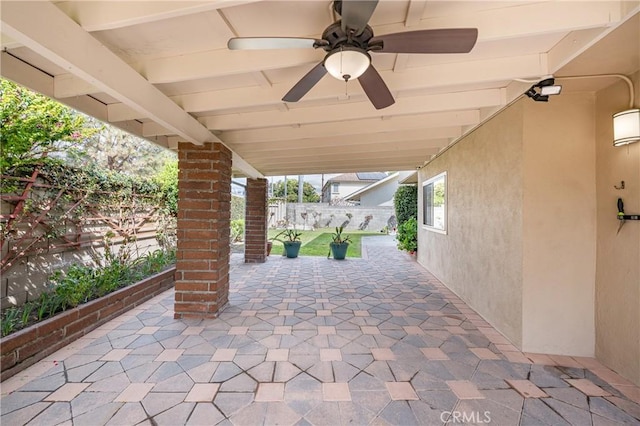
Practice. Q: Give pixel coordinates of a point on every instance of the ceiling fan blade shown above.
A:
(446, 40)
(375, 88)
(260, 43)
(305, 84)
(356, 14)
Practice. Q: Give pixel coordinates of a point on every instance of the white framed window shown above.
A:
(434, 203)
(335, 187)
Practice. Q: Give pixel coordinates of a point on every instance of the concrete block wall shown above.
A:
(323, 215)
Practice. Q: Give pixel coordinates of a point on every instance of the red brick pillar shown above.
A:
(204, 216)
(255, 222)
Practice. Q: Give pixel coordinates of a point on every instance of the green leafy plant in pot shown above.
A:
(339, 244)
(290, 239)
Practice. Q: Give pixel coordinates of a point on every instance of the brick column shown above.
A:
(255, 222)
(204, 216)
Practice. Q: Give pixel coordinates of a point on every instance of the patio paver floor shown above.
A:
(311, 341)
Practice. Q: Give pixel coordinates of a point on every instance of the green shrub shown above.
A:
(237, 230)
(154, 262)
(81, 284)
(408, 235)
(27, 309)
(167, 179)
(10, 320)
(406, 203)
(74, 287)
(112, 277)
(237, 207)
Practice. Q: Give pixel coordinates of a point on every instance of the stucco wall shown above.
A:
(480, 257)
(559, 225)
(520, 245)
(532, 241)
(618, 254)
(381, 195)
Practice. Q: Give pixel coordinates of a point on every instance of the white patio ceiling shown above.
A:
(161, 70)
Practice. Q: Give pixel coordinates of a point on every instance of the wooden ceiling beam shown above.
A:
(355, 140)
(448, 121)
(355, 111)
(109, 15)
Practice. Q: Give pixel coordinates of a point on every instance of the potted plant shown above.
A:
(339, 244)
(290, 239)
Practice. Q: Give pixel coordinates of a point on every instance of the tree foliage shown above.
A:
(438, 194)
(33, 126)
(309, 193)
(237, 207)
(406, 203)
(167, 179)
(114, 149)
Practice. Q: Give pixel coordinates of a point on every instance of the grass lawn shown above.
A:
(316, 243)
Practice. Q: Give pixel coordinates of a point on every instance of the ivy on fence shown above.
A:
(49, 206)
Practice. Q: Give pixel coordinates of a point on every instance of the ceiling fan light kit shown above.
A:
(347, 63)
(347, 43)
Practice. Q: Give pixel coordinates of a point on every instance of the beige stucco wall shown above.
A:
(480, 257)
(532, 241)
(559, 225)
(618, 254)
(520, 247)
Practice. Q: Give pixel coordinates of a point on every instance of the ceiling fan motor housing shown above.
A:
(337, 37)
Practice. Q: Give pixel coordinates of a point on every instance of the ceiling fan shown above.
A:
(347, 43)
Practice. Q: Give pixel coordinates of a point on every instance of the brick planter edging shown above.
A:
(28, 346)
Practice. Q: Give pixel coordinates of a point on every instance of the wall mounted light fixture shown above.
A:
(626, 127)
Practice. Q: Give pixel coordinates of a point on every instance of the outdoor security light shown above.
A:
(541, 91)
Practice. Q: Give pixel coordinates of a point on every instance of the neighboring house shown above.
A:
(338, 187)
(379, 193)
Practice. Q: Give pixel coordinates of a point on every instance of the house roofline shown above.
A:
(371, 186)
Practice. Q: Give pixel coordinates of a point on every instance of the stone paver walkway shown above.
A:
(311, 341)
